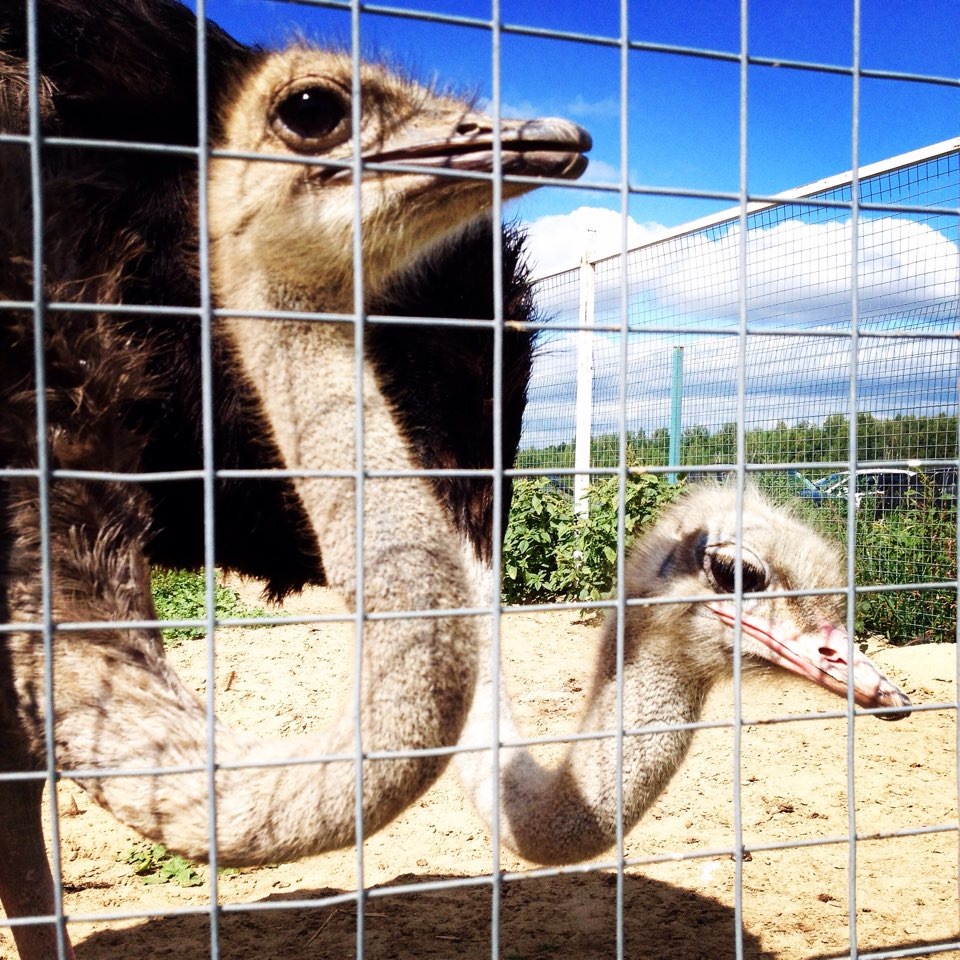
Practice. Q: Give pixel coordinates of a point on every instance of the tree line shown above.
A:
(902, 437)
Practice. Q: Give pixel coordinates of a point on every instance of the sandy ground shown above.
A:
(794, 791)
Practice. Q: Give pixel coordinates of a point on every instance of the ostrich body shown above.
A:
(123, 394)
(673, 653)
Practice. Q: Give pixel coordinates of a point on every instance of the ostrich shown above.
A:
(673, 653)
(122, 228)
(123, 394)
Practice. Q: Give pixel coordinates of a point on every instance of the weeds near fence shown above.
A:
(909, 546)
(181, 595)
(913, 544)
(552, 554)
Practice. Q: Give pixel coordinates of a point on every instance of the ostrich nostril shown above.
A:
(469, 128)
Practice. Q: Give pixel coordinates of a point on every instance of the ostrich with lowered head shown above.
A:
(123, 394)
(674, 651)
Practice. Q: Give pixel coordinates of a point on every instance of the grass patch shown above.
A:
(181, 595)
(157, 865)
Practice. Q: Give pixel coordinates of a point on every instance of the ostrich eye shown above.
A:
(308, 115)
(719, 564)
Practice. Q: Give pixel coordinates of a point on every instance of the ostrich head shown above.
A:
(674, 648)
(692, 552)
(287, 223)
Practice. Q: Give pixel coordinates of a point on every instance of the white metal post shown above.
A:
(581, 457)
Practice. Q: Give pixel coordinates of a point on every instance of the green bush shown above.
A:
(181, 595)
(916, 545)
(550, 553)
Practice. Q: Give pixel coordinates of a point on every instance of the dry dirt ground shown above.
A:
(287, 680)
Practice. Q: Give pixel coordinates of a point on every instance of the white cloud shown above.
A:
(788, 378)
(802, 271)
(558, 242)
(600, 171)
(607, 107)
(580, 107)
(798, 273)
(521, 110)
(799, 279)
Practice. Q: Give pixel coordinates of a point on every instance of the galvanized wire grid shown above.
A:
(684, 289)
(738, 329)
(683, 312)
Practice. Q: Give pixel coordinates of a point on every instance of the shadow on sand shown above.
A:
(558, 918)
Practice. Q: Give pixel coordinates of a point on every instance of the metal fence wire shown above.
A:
(681, 391)
(683, 292)
(793, 831)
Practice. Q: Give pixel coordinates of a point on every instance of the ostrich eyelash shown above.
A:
(719, 563)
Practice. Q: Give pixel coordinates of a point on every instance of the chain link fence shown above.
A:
(683, 293)
(819, 396)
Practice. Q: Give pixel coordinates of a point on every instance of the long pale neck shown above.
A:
(418, 674)
(119, 704)
(568, 813)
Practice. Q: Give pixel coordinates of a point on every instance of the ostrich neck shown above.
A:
(567, 813)
(122, 706)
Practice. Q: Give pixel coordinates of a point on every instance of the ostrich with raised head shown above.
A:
(123, 394)
(678, 642)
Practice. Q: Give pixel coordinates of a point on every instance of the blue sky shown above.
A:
(683, 111)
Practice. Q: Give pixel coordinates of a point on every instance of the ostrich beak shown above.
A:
(548, 147)
(826, 657)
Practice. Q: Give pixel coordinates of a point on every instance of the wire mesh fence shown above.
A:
(719, 312)
(683, 292)
(683, 360)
